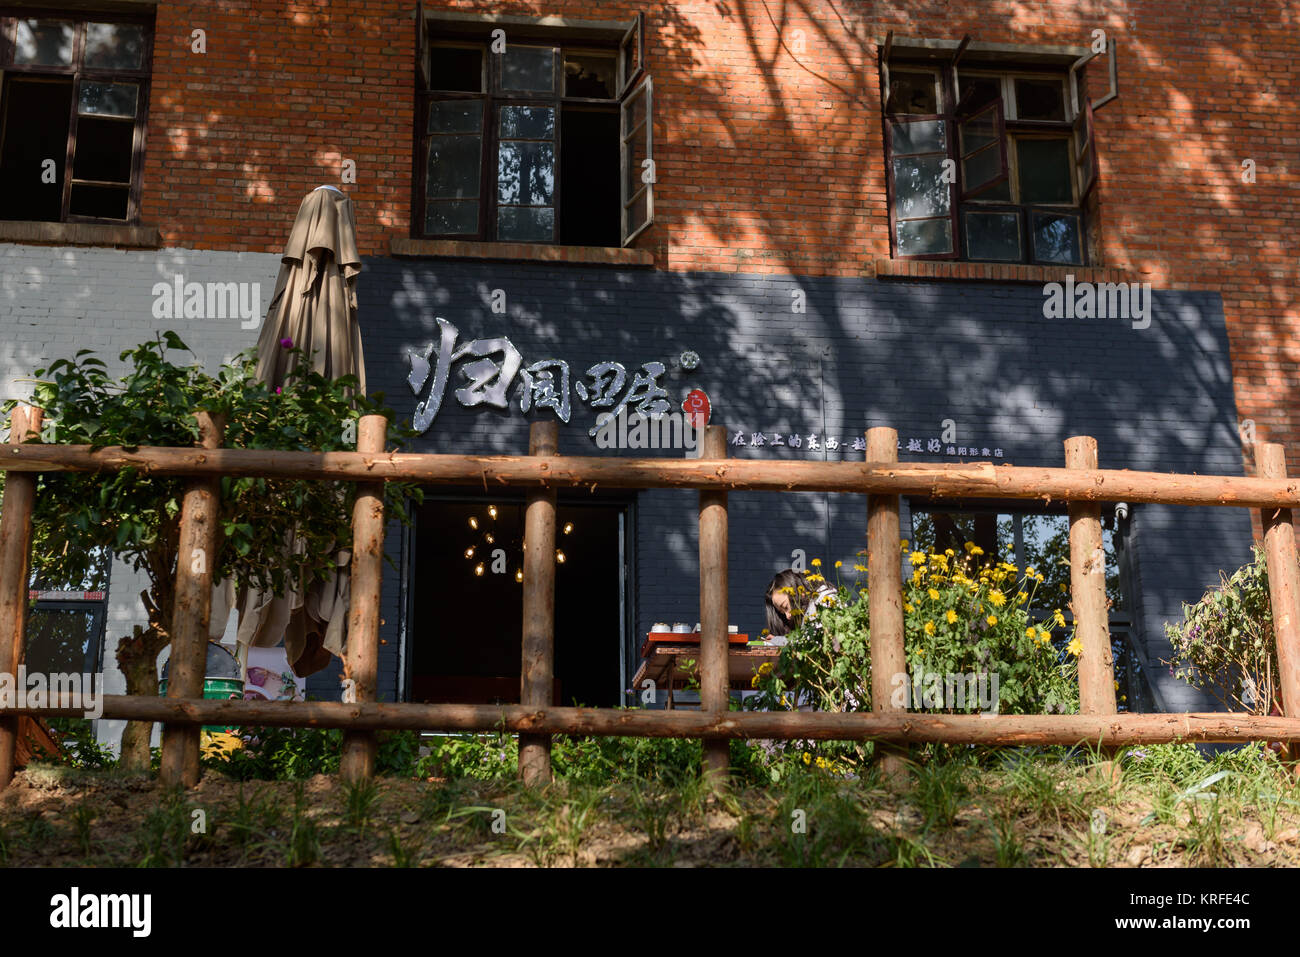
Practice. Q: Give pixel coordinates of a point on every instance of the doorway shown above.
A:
(465, 607)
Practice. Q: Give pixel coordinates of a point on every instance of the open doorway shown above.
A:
(466, 602)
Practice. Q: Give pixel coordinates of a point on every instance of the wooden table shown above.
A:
(663, 666)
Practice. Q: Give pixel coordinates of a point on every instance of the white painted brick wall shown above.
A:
(56, 300)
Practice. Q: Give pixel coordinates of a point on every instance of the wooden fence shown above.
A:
(882, 479)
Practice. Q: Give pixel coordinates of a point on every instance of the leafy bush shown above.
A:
(960, 618)
(1225, 643)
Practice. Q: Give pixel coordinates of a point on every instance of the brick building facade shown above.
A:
(772, 154)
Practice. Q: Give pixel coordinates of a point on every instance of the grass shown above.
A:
(1036, 807)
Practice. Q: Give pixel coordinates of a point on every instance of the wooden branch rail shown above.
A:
(907, 728)
(942, 480)
(543, 471)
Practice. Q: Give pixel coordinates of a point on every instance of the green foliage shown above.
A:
(960, 618)
(293, 754)
(81, 749)
(137, 514)
(1225, 643)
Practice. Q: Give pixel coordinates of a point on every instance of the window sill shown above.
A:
(993, 272)
(80, 234)
(539, 252)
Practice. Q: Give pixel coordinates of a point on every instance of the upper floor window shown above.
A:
(72, 114)
(988, 164)
(534, 137)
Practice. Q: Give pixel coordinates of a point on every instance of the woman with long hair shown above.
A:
(790, 596)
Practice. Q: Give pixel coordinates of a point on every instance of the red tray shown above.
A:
(675, 638)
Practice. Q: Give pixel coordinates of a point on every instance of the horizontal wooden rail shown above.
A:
(939, 480)
(813, 725)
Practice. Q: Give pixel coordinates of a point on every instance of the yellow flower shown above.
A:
(1031, 632)
(917, 576)
(816, 563)
(765, 668)
(951, 616)
(950, 553)
(934, 594)
(814, 578)
(917, 558)
(1062, 587)
(753, 682)
(1029, 572)
(1058, 618)
(976, 550)
(997, 598)
(992, 619)
(929, 628)
(905, 544)
(859, 568)
(908, 608)
(1074, 647)
(1116, 685)
(1021, 598)
(807, 758)
(839, 564)
(968, 546)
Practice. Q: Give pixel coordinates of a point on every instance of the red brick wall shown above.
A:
(767, 161)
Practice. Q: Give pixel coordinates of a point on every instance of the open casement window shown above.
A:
(631, 55)
(637, 159)
(421, 46)
(922, 209)
(1085, 150)
(982, 148)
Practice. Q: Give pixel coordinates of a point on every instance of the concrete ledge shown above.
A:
(540, 252)
(995, 272)
(80, 234)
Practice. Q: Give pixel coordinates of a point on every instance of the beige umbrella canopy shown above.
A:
(314, 306)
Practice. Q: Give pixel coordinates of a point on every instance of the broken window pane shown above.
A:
(590, 75)
(912, 93)
(456, 69)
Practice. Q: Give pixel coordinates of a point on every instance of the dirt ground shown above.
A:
(55, 816)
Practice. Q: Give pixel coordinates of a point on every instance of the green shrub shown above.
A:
(1225, 643)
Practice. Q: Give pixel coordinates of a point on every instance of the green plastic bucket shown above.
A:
(221, 680)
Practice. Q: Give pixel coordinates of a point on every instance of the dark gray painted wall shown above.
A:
(902, 354)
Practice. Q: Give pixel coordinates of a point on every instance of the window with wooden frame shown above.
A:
(533, 136)
(73, 104)
(988, 164)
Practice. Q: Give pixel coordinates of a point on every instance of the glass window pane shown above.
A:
(102, 202)
(1040, 100)
(453, 167)
(456, 116)
(528, 69)
(525, 174)
(528, 122)
(458, 69)
(108, 99)
(43, 43)
(1056, 239)
(977, 91)
(920, 237)
(103, 150)
(978, 131)
(590, 75)
(912, 93)
(458, 216)
(993, 236)
(636, 152)
(923, 136)
(1044, 168)
(61, 640)
(114, 46)
(525, 225)
(979, 169)
(919, 187)
(638, 211)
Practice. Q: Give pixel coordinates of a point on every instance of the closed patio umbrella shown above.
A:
(314, 306)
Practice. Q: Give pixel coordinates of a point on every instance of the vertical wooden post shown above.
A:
(715, 688)
(1088, 590)
(1283, 585)
(357, 755)
(15, 568)
(537, 675)
(195, 564)
(885, 597)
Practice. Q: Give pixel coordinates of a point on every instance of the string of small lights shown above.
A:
(488, 539)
